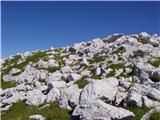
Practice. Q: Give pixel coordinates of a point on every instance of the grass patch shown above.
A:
(99, 58)
(33, 58)
(81, 83)
(42, 80)
(138, 111)
(97, 77)
(20, 111)
(120, 50)
(52, 69)
(9, 84)
(143, 41)
(155, 62)
(111, 74)
(96, 59)
(117, 66)
(138, 53)
(14, 59)
(155, 116)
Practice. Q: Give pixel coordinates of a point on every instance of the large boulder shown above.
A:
(140, 94)
(56, 76)
(70, 96)
(102, 89)
(35, 98)
(155, 75)
(66, 70)
(98, 110)
(155, 41)
(144, 35)
(52, 63)
(53, 95)
(41, 64)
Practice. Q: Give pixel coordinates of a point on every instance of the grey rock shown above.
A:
(99, 110)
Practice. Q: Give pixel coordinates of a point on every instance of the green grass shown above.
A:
(13, 60)
(114, 67)
(120, 50)
(9, 84)
(156, 62)
(111, 74)
(42, 80)
(97, 77)
(20, 111)
(143, 41)
(117, 66)
(155, 116)
(138, 53)
(96, 59)
(33, 58)
(81, 83)
(138, 111)
(52, 69)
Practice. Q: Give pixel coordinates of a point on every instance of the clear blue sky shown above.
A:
(39, 25)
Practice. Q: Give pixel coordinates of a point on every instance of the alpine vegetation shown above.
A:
(111, 78)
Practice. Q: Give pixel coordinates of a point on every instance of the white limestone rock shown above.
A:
(139, 91)
(53, 95)
(35, 98)
(14, 71)
(52, 63)
(56, 76)
(56, 84)
(97, 89)
(155, 41)
(71, 95)
(37, 117)
(144, 35)
(86, 73)
(74, 77)
(66, 70)
(98, 110)
(41, 64)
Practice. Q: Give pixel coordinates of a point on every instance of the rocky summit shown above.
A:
(112, 78)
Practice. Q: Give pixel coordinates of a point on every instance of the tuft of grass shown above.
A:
(120, 50)
(52, 69)
(42, 80)
(111, 74)
(20, 111)
(99, 58)
(155, 63)
(138, 111)
(81, 83)
(143, 41)
(97, 77)
(96, 59)
(155, 116)
(33, 58)
(138, 53)
(116, 66)
(14, 59)
(9, 84)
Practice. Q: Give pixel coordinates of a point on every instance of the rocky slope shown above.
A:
(113, 78)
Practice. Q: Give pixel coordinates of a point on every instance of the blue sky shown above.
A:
(38, 25)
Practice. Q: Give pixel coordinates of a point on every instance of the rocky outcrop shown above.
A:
(90, 78)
